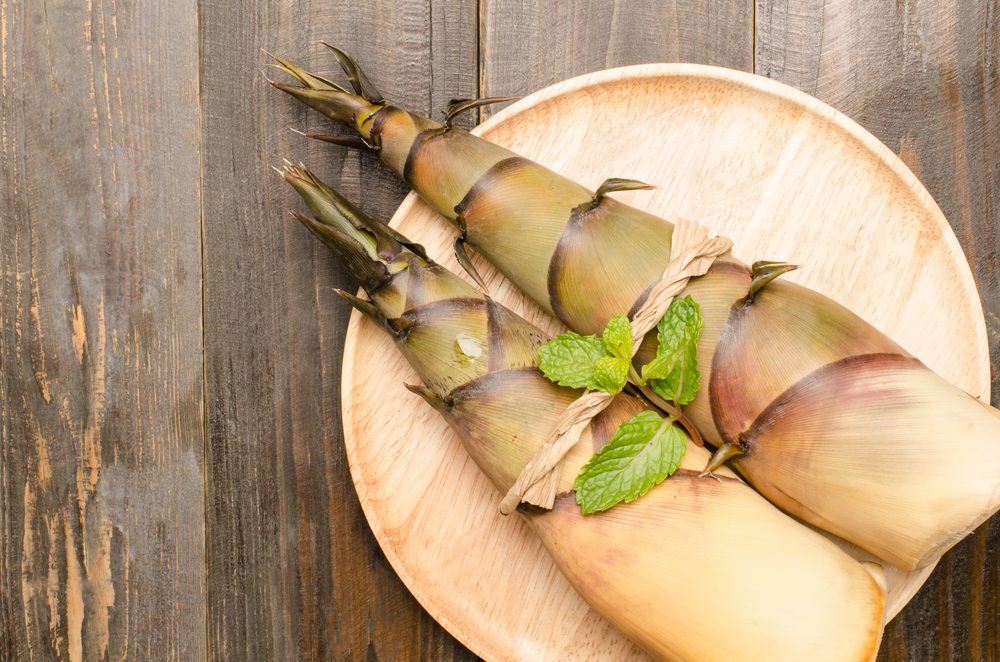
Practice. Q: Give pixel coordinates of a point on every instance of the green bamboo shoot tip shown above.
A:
(723, 454)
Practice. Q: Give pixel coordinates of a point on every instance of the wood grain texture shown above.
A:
(101, 429)
(525, 46)
(294, 572)
(924, 77)
(780, 173)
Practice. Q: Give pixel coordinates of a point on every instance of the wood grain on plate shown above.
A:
(786, 177)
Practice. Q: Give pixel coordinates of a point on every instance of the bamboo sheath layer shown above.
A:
(826, 416)
(657, 568)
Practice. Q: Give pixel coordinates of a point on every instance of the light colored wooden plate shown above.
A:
(784, 175)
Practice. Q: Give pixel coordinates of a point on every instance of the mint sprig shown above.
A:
(673, 373)
(641, 454)
(646, 449)
(598, 364)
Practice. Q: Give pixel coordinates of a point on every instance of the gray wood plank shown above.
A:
(101, 428)
(294, 571)
(924, 77)
(526, 46)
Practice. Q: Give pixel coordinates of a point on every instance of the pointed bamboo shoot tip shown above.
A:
(302, 218)
(432, 398)
(763, 272)
(371, 311)
(354, 142)
(723, 454)
(359, 81)
(458, 106)
(466, 262)
(281, 64)
(613, 184)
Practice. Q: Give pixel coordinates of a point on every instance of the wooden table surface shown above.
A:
(172, 475)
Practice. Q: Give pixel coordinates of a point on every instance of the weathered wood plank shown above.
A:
(925, 78)
(294, 572)
(101, 427)
(526, 46)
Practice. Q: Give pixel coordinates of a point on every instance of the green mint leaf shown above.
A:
(617, 337)
(642, 453)
(673, 372)
(611, 373)
(569, 359)
(578, 361)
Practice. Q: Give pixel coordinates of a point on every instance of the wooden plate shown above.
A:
(787, 177)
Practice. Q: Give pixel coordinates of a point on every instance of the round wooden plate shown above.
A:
(782, 174)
